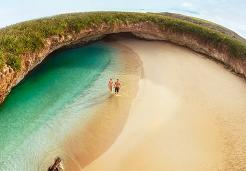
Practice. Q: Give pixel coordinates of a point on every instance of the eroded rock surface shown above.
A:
(147, 30)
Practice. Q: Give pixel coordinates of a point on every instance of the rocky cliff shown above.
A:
(147, 29)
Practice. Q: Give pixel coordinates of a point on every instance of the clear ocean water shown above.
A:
(41, 110)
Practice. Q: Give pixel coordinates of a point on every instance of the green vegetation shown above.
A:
(1, 59)
(205, 23)
(29, 36)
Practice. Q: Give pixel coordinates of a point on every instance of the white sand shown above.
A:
(188, 115)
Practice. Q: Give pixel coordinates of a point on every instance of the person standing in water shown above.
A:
(110, 85)
(117, 86)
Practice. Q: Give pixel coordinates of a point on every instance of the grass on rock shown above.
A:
(29, 36)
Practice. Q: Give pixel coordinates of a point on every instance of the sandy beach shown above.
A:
(188, 115)
(107, 119)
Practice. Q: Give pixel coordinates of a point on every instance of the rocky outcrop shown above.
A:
(148, 30)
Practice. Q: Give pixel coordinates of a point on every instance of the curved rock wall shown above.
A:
(9, 77)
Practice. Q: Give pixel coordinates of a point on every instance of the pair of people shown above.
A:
(115, 84)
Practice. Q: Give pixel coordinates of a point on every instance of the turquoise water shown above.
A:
(44, 101)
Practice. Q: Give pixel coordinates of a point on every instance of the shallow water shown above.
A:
(189, 115)
(39, 112)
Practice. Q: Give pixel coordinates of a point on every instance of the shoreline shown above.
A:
(180, 118)
(227, 46)
(88, 142)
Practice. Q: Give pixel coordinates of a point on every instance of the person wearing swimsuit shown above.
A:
(117, 86)
(110, 85)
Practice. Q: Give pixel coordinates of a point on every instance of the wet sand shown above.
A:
(107, 119)
(189, 115)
